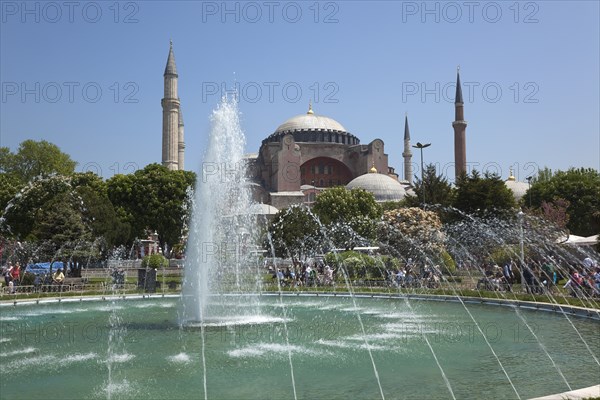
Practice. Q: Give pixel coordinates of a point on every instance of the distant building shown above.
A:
(309, 153)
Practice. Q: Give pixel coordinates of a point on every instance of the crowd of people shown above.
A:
(409, 276)
(321, 274)
(310, 274)
(584, 281)
(537, 276)
(13, 275)
(542, 276)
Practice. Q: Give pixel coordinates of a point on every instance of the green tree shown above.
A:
(543, 175)
(294, 233)
(155, 199)
(98, 211)
(477, 194)
(19, 219)
(59, 221)
(34, 159)
(120, 194)
(348, 214)
(9, 187)
(580, 188)
(102, 219)
(437, 189)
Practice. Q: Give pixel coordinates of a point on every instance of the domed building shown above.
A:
(384, 187)
(308, 153)
(518, 188)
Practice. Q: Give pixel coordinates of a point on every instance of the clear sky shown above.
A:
(88, 76)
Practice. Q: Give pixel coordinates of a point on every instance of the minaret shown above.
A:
(407, 154)
(459, 125)
(180, 143)
(170, 106)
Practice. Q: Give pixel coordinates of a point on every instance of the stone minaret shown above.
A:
(181, 143)
(407, 154)
(459, 125)
(170, 106)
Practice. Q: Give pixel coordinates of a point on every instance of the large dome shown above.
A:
(311, 127)
(383, 187)
(310, 122)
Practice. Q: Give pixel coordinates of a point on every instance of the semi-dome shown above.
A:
(518, 188)
(263, 209)
(311, 127)
(383, 187)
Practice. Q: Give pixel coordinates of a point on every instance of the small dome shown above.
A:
(263, 209)
(518, 188)
(383, 187)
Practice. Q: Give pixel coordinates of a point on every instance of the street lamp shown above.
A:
(529, 191)
(520, 217)
(421, 147)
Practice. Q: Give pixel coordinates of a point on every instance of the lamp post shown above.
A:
(529, 190)
(520, 216)
(421, 146)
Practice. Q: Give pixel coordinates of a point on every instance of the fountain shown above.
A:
(226, 337)
(219, 231)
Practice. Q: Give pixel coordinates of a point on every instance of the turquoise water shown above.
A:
(132, 349)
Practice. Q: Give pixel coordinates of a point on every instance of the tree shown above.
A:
(60, 225)
(437, 189)
(102, 219)
(412, 232)
(98, 211)
(120, 193)
(349, 214)
(9, 187)
(476, 194)
(34, 159)
(580, 188)
(19, 218)
(294, 232)
(153, 198)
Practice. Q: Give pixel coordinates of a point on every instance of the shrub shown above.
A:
(27, 279)
(155, 261)
(449, 266)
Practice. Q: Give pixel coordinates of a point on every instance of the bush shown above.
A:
(155, 261)
(27, 279)
(359, 265)
(449, 266)
(504, 254)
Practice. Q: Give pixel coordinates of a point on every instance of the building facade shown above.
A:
(308, 153)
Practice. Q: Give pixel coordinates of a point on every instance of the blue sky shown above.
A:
(87, 76)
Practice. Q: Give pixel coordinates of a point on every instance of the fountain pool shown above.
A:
(67, 350)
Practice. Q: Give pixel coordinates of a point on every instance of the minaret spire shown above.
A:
(407, 154)
(460, 126)
(171, 68)
(459, 97)
(171, 147)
